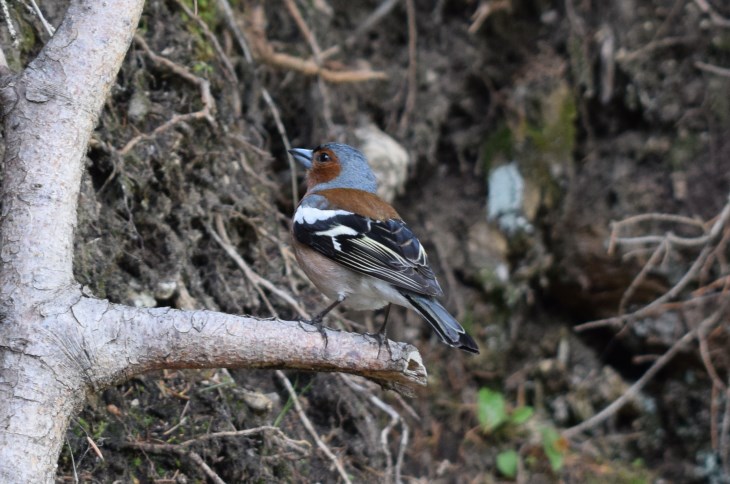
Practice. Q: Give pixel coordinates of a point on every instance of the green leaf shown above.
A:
(491, 409)
(507, 463)
(521, 415)
(554, 446)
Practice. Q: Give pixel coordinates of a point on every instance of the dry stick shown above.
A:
(365, 26)
(205, 94)
(412, 68)
(291, 6)
(310, 68)
(707, 361)
(484, 10)
(716, 18)
(256, 279)
(223, 234)
(208, 471)
(658, 239)
(720, 71)
(648, 217)
(645, 378)
(715, 230)
(649, 48)
(660, 217)
(294, 444)
(619, 321)
(650, 264)
(310, 428)
(203, 84)
(9, 23)
(49, 28)
(243, 44)
(395, 419)
(176, 449)
(230, 71)
(266, 53)
(285, 139)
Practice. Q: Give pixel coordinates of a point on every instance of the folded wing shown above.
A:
(385, 249)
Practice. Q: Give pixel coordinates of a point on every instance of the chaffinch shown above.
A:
(356, 248)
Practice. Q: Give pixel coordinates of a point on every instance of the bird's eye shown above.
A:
(323, 158)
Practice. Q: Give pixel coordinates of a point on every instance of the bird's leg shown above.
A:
(317, 320)
(382, 336)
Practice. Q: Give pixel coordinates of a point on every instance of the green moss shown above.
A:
(499, 143)
(555, 134)
(204, 52)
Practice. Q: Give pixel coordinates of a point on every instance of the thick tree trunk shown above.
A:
(58, 344)
(50, 110)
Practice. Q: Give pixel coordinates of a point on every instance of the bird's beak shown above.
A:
(303, 156)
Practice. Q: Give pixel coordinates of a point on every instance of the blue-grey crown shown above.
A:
(356, 172)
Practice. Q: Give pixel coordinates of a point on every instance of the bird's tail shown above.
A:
(448, 328)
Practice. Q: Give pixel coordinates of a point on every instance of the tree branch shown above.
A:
(129, 341)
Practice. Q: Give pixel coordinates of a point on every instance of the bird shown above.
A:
(357, 250)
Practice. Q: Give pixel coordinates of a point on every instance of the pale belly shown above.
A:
(360, 291)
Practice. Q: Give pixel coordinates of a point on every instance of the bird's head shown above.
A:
(335, 165)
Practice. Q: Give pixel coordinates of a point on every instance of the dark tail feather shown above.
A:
(448, 328)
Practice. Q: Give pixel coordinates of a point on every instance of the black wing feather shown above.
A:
(385, 249)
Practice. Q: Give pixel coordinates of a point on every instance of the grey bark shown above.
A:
(58, 344)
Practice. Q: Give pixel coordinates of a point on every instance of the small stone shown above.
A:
(389, 160)
(258, 402)
(165, 289)
(114, 410)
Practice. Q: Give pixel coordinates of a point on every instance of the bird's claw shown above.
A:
(382, 339)
(317, 323)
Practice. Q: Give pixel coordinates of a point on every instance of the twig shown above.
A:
(237, 32)
(395, 419)
(720, 71)
(412, 68)
(651, 263)
(9, 23)
(649, 48)
(264, 51)
(633, 391)
(205, 94)
(179, 450)
(310, 428)
(94, 447)
(73, 461)
(616, 227)
(716, 18)
(206, 468)
(721, 221)
(484, 10)
(229, 70)
(49, 28)
(297, 445)
(365, 26)
(252, 276)
(658, 239)
(293, 10)
(243, 44)
(291, 6)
